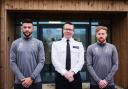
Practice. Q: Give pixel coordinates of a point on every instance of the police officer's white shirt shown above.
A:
(59, 55)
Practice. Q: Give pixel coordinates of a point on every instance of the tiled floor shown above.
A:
(84, 85)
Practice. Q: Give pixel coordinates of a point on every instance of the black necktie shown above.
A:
(68, 56)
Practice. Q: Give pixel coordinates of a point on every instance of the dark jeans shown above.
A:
(97, 87)
(33, 86)
(62, 83)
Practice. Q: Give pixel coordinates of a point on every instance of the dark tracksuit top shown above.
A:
(27, 59)
(102, 62)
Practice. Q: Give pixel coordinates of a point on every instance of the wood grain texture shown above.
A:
(70, 5)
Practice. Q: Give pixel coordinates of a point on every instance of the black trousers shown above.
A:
(33, 86)
(97, 87)
(62, 83)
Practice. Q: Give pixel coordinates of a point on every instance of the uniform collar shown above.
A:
(65, 39)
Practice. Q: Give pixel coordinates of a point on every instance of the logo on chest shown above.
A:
(20, 45)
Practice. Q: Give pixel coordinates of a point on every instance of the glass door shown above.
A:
(48, 36)
(81, 35)
(49, 33)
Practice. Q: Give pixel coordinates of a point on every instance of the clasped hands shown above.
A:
(69, 76)
(103, 84)
(26, 82)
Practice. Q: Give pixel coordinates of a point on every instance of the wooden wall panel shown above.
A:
(120, 39)
(10, 27)
(0, 48)
(7, 36)
(3, 45)
(70, 5)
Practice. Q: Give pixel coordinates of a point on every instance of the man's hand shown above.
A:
(26, 82)
(103, 84)
(69, 75)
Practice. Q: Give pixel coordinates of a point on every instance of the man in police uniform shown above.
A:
(68, 60)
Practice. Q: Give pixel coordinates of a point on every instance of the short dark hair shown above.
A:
(70, 23)
(98, 28)
(27, 20)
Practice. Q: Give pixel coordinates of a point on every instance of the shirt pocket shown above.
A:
(75, 53)
(75, 50)
(61, 52)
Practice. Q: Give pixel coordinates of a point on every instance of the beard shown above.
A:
(27, 34)
(101, 40)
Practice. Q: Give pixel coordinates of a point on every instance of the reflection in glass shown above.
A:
(93, 34)
(49, 35)
(34, 34)
(80, 34)
(18, 31)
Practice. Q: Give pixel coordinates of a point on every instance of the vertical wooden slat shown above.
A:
(119, 38)
(3, 45)
(10, 37)
(31, 4)
(124, 46)
(0, 46)
(114, 40)
(16, 4)
(35, 4)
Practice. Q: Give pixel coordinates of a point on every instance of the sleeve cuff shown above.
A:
(32, 77)
(63, 72)
(21, 77)
(75, 71)
(98, 81)
(106, 79)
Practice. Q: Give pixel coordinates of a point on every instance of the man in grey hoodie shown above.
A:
(27, 59)
(102, 61)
